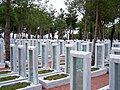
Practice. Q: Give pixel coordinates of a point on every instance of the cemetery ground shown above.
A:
(96, 82)
(61, 65)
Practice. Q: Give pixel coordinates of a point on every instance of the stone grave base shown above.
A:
(45, 74)
(99, 72)
(31, 87)
(7, 74)
(104, 88)
(14, 80)
(54, 83)
(2, 65)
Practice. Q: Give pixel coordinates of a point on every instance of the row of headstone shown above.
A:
(80, 45)
(32, 61)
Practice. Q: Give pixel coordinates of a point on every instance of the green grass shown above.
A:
(55, 77)
(15, 86)
(94, 69)
(4, 72)
(45, 71)
(62, 63)
(8, 78)
(107, 65)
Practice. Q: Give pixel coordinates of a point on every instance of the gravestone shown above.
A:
(90, 46)
(13, 57)
(68, 47)
(39, 48)
(32, 64)
(21, 61)
(2, 64)
(55, 57)
(78, 45)
(107, 49)
(99, 55)
(116, 44)
(44, 55)
(80, 70)
(35, 42)
(61, 43)
(115, 50)
(26, 49)
(114, 72)
(85, 46)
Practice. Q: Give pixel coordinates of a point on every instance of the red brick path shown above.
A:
(96, 83)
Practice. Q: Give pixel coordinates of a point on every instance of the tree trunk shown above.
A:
(49, 34)
(91, 32)
(95, 36)
(37, 34)
(70, 33)
(85, 29)
(118, 36)
(7, 31)
(29, 32)
(19, 31)
(112, 34)
(80, 34)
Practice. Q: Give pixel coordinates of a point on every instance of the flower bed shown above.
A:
(107, 65)
(94, 69)
(4, 72)
(55, 77)
(15, 86)
(97, 72)
(8, 78)
(45, 71)
(58, 79)
(62, 63)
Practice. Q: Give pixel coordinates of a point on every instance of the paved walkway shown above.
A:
(96, 83)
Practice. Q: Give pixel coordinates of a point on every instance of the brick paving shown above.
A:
(96, 83)
(4, 68)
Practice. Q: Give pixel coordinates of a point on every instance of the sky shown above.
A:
(57, 4)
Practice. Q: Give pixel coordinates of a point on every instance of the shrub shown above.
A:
(15, 86)
(107, 65)
(45, 71)
(55, 77)
(62, 64)
(94, 69)
(8, 78)
(4, 72)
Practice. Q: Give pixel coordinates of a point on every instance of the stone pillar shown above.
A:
(90, 46)
(2, 64)
(68, 47)
(1, 53)
(99, 55)
(114, 72)
(33, 65)
(55, 57)
(115, 50)
(78, 45)
(61, 44)
(107, 50)
(44, 55)
(85, 46)
(13, 57)
(21, 60)
(80, 70)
